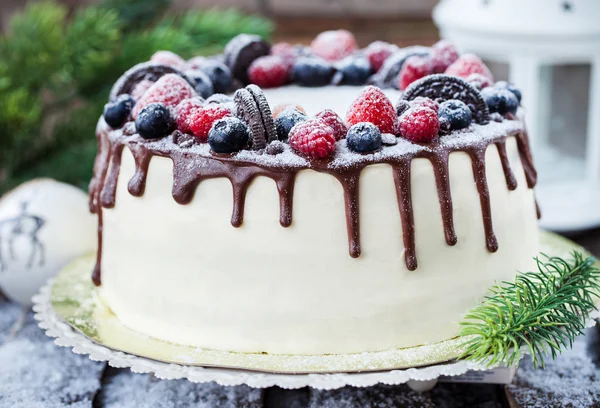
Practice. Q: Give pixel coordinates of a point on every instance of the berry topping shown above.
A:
(269, 71)
(283, 106)
(311, 71)
(457, 113)
(443, 54)
(117, 111)
(419, 125)
(154, 121)
(425, 102)
(201, 122)
(286, 120)
(186, 112)
(387, 76)
(241, 51)
(479, 81)
(333, 45)
(333, 120)
(373, 106)
(364, 137)
(140, 88)
(168, 58)
(468, 64)
(352, 71)
(219, 98)
(219, 74)
(509, 86)
(169, 90)
(377, 52)
(312, 138)
(228, 135)
(203, 84)
(275, 148)
(414, 68)
(286, 51)
(499, 100)
(401, 106)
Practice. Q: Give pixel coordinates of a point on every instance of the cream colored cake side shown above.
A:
(183, 274)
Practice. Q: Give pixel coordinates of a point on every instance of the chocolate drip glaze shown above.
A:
(190, 168)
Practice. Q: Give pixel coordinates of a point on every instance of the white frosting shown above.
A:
(182, 273)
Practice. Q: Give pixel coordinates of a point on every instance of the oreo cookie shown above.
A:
(146, 70)
(241, 51)
(440, 88)
(265, 112)
(247, 110)
(387, 76)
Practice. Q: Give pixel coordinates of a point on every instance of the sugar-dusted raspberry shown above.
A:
(186, 111)
(283, 106)
(140, 88)
(425, 102)
(377, 52)
(333, 120)
(419, 125)
(479, 81)
(169, 90)
(333, 45)
(203, 119)
(284, 50)
(269, 71)
(312, 138)
(372, 106)
(443, 54)
(468, 64)
(168, 58)
(414, 68)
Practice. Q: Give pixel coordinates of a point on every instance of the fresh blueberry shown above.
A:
(286, 120)
(117, 111)
(313, 71)
(154, 121)
(203, 84)
(364, 137)
(500, 100)
(457, 113)
(228, 135)
(219, 74)
(511, 87)
(352, 71)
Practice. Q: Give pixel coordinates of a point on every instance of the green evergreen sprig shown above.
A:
(541, 312)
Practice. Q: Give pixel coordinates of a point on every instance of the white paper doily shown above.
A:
(65, 336)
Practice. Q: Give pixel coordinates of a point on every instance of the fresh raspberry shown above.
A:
(444, 53)
(333, 45)
(284, 50)
(140, 88)
(377, 52)
(283, 106)
(372, 106)
(333, 120)
(170, 89)
(414, 68)
(203, 119)
(468, 64)
(168, 58)
(185, 112)
(196, 62)
(425, 102)
(479, 81)
(269, 71)
(419, 125)
(312, 138)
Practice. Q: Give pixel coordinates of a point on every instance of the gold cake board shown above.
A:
(70, 309)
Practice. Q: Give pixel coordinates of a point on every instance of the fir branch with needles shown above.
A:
(541, 312)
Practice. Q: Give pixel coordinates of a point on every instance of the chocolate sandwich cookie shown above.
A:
(146, 70)
(241, 51)
(265, 112)
(442, 87)
(247, 109)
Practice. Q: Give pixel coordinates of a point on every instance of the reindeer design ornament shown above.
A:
(44, 225)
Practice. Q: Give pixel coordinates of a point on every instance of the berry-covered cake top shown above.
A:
(274, 110)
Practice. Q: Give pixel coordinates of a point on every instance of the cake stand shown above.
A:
(69, 309)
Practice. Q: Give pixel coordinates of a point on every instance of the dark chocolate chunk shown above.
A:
(442, 87)
(241, 51)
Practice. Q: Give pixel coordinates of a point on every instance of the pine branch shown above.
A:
(541, 312)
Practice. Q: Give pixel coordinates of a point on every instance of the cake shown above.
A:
(310, 200)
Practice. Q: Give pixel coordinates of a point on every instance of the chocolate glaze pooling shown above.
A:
(190, 168)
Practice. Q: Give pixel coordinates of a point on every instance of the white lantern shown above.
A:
(532, 35)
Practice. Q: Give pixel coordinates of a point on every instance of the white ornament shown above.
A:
(44, 224)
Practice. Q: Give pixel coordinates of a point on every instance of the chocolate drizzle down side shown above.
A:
(190, 169)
